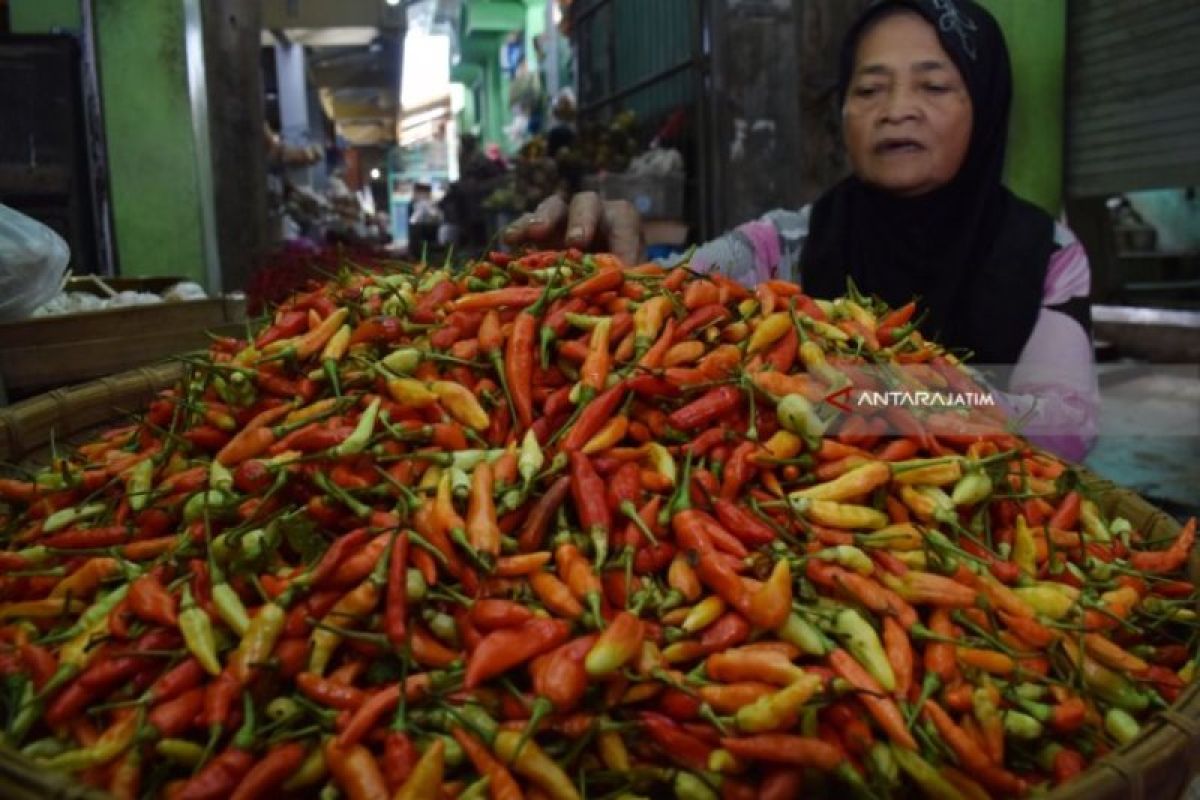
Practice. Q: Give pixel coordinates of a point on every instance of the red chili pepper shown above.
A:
(434, 299)
(587, 490)
(88, 538)
(151, 601)
(730, 630)
(186, 675)
(493, 613)
(594, 416)
(743, 524)
(504, 649)
(712, 406)
(217, 779)
(674, 741)
(739, 470)
(701, 318)
(172, 718)
(533, 533)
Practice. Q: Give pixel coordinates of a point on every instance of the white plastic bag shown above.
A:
(33, 259)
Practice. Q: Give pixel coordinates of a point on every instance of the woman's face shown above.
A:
(907, 115)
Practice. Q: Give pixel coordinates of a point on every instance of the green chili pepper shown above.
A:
(1021, 726)
(197, 632)
(1121, 725)
(402, 361)
(803, 634)
(141, 480)
(863, 643)
(925, 775)
(530, 459)
(357, 441)
(181, 751)
(68, 516)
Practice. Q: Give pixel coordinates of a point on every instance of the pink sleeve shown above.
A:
(1053, 388)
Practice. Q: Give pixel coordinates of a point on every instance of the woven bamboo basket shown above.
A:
(1160, 764)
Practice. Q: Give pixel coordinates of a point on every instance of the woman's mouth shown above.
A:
(898, 147)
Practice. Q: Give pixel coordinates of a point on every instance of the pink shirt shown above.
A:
(1053, 390)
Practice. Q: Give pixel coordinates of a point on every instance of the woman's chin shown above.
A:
(903, 184)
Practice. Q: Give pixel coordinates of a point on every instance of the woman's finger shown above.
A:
(547, 219)
(518, 230)
(583, 221)
(623, 226)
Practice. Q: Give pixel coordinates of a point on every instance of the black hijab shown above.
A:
(974, 253)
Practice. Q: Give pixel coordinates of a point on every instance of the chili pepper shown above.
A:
(712, 406)
(358, 439)
(258, 641)
(587, 490)
(871, 694)
(592, 416)
(620, 642)
(528, 760)
(506, 648)
(502, 784)
(931, 782)
(270, 772)
(426, 777)
(1170, 559)
(356, 771)
(353, 606)
(114, 741)
(395, 623)
(197, 632)
(492, 613)
(676, 744)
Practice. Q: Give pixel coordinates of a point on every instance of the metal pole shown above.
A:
(193, 37)
(97, 147)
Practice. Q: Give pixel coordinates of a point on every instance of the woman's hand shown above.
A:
(589, 223)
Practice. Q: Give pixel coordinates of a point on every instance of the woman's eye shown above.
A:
(866, 91)
(936, 88)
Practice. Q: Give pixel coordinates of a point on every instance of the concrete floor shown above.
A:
(1150, 434)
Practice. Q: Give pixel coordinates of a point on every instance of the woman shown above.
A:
(925, 87)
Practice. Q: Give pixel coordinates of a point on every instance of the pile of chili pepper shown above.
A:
(548, 527)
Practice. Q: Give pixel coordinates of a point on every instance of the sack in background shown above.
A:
(33, 259)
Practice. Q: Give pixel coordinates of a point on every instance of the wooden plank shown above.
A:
(118, 322)
(31, 368)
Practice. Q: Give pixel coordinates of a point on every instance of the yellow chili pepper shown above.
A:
(461, 404)
(779, 709)
(901, 536)
(1024, 553)
(770, 329)
(939, 472)
(608, 436)
(648, 321)
(839, 515)
(529, 761)
(425, 780)
(613, 752)
(703, 614)
(856, 482)
(783, 445)
(411, 392)
(197, 632)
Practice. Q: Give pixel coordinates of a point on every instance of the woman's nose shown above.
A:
(900, 105)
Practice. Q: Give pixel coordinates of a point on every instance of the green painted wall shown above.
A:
(43, 16)
(151, 154)
(535, 25)
(1036, 31)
